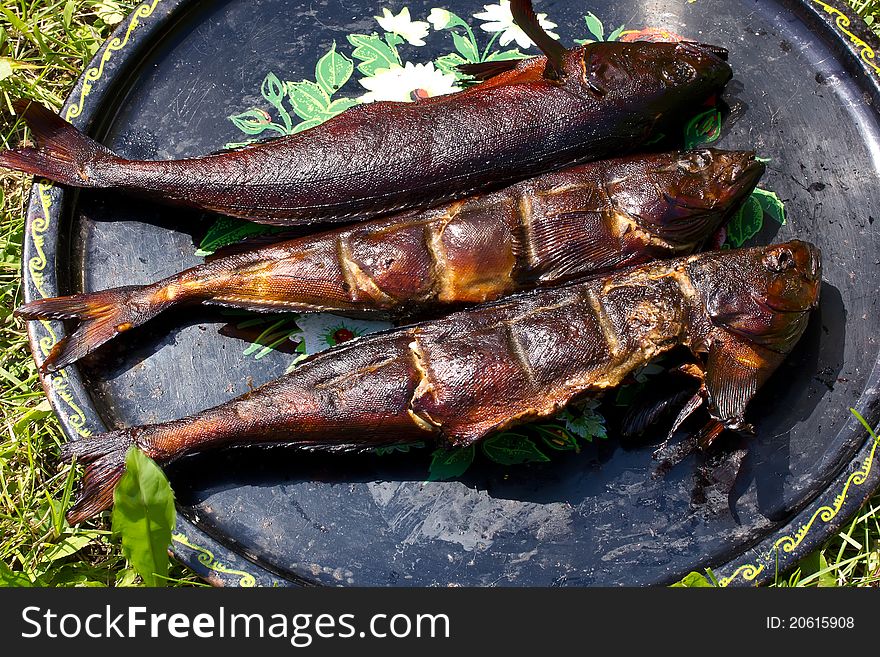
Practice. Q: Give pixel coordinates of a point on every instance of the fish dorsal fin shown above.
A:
(525, 18)
(482, 71)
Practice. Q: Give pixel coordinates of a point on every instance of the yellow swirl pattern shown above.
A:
(866, 52)
(115, 44)
(206, 558)
(824, 514)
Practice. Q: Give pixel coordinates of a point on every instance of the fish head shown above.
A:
(684, 197)
(659, 76)
(762, 294)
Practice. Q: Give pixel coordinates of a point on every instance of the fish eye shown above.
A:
(678, 72)
(779, 261)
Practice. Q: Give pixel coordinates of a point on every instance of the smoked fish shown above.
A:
(529, 117)
(577, 222)
(455, 380)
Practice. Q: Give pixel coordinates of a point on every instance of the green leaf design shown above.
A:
(373, 53)
(746, 223)
(273, 89)
(771, 204)
(253, 121)
(450, 463)
(512, 449)
(703, 129)
(558, 438)
(453, 20)
(311, 123)
(143, 515)
(227, 230)
(504, 55)
(466, 47)
(693, 580)
(615, 35)
(449, 63)
(309, 100)
(333, 70)
(595, 27)
(339, 105)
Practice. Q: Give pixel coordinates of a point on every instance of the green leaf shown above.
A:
(815, 566)
(227, 230)
(67, 15)
(11, 578)
(333, 70)
(746, 223)
(143, 515)
(594, 25)
(450, 463)
(693, 580)
(309, 100)
(587, 425)
(70, 545)
(466, 47)
(273, 89)
(703, 129)
(252, 122)
(771, 204)
(453, 20)
(512, 449)
(449, 63)
(373, 53)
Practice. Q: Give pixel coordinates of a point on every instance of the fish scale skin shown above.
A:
(389, 156)
(479, 370)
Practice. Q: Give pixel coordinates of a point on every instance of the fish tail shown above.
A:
(103, 315)
(104, 457)
(64, 154)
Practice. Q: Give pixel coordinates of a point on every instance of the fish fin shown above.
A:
(735, 369)
(64, 154)
(482, 71)
(102, 315)
(561, 254)
(525, 18)
(649, 408)
(104, 456)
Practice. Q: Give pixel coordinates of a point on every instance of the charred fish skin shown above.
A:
(601, 99)
(455, 380)
(581, 221)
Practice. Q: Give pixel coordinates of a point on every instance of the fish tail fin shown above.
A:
(103, 315)
(64, 154)
(104, 457)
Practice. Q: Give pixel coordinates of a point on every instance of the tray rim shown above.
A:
(219, 564)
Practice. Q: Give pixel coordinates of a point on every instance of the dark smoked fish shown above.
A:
(455, 380)
(580, 221)
(531, 116)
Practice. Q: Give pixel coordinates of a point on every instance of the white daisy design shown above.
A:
(497, 18)
(407, 83)
(413, 31)
(439, 18)
(320, 331)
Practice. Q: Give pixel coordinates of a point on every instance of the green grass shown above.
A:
(44, 46)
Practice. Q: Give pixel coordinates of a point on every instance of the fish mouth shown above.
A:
(742, 174)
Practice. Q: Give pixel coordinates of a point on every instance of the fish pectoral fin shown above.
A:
(525, 18)
(735, 369)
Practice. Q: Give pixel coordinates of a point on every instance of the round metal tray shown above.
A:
(804, 95)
